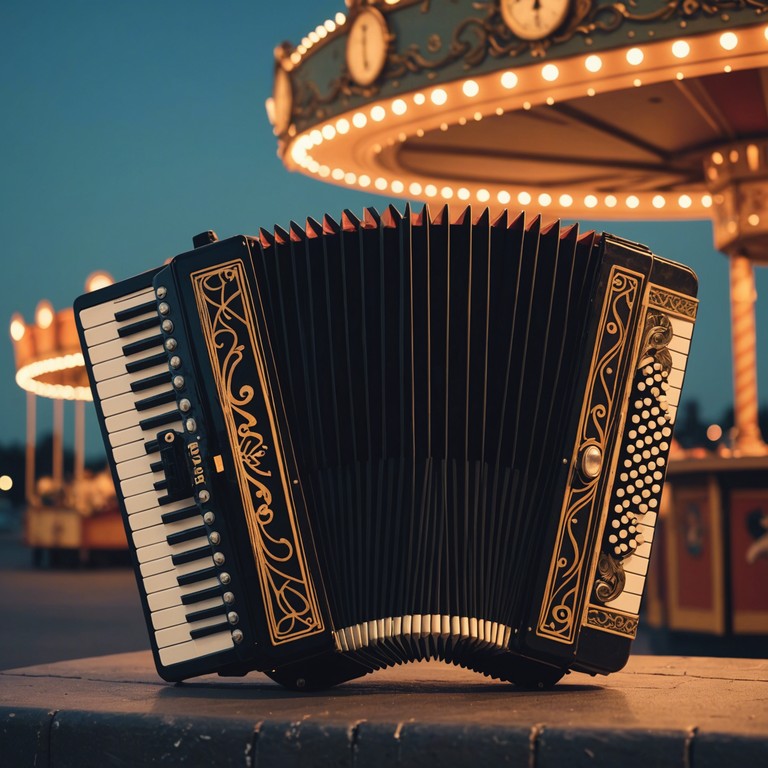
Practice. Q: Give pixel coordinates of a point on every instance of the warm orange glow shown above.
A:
(470, 88)
(509, 80)
(44, 314)
(550, 72)
(635, 57)
(6, 483)
(728, 41)
(17, 327)
(680, 49)
(714, 432)
(593, 63)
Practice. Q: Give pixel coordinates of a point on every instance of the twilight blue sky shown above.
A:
(127, 127)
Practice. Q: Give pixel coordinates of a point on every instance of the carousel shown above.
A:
(649, 109)
(70, 516)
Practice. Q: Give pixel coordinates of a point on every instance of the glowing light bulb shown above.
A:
(470, 88)
(5, 483)
(17, 327)
(633, 201)
(359, 120)
(706, 201)
(438, 97)
(483, 195)
(524, 198)
(684, 201)
(550, 72)
(430, 190)
(447, 192)
(397, 186)
(399, 107)
(680, 49)
(340, 18)
(509, 80)
(337, 174)
(753, 219)
(566, 201)
(593, 63)
(350, 178)
(590, 201)
(463, 193)
(414, 188)
(330, 25)
(97, 280)
(328, 132)
(728, 41)
(342, 125)
(380, 183)
(419, 99)
(378, 113)
(611, 201)
(658, 201)
(44, 314)
(545, 199)
(635, 56)
(504, 197)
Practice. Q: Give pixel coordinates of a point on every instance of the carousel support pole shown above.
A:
(29, 478)
(58, 444)
(79, 440)
(747, 438)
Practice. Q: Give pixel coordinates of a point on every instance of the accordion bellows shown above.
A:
(397, 438)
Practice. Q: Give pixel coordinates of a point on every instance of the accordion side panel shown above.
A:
(232, 339)
(621, 561)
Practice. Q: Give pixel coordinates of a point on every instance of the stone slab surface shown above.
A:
(116, 711)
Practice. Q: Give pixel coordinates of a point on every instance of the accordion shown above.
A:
(402, 437)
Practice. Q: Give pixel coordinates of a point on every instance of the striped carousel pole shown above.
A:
(747, 439)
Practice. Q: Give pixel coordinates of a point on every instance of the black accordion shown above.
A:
(356, 444)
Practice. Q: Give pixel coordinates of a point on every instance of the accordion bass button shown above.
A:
(591, 461)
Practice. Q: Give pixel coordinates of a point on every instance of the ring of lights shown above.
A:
(359, 148)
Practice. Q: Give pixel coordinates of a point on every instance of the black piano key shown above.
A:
(206, 613)
(153, 422)
(180, 514)
(138, 326)
(131, 312)
(151, 402)
(203, 594)
(147, 362)
(152, 446)
(143, 345)
(191, 533)
(191, 555)
(212, 630)
(151, 381)
(156, 466)
(160, 485)
(192, 578)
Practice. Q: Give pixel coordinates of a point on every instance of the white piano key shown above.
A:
(647, 531)
(680, 344)
(671, 413)
(675, 378)
(177, 615)
(167, 598)
(141, 484)
(120, 385)
(682, 328)
(649, 518)
(673, 397)
(180, 633)
(163, 549)
(130, 418)
(634, 583)
(644, 550)
(678, 360)
(109, 369)
(110, 350)
(126, 401)
(151, 499)
(636, 564)
(627, 602)
(101, 333)
(105, 313)
(194, 649)
(132, 450)
(140, 465)
(129, 435)
(143, 537)
(162, 574)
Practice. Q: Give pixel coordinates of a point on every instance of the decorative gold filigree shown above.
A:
(612, 578)
(673, 302)
(612, 621)
(564, 591)
(231, 335)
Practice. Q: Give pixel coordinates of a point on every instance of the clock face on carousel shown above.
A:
(367, 44)
(534, 19)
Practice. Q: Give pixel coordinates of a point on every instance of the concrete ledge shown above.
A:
(659, 711)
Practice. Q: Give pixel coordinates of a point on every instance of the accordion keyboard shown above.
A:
(137, 393)
(643, 464)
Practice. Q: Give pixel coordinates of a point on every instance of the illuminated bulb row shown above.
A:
(27, 378)
(319, 33)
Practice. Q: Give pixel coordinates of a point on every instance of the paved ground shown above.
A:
(660, 711)
(49, 615)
